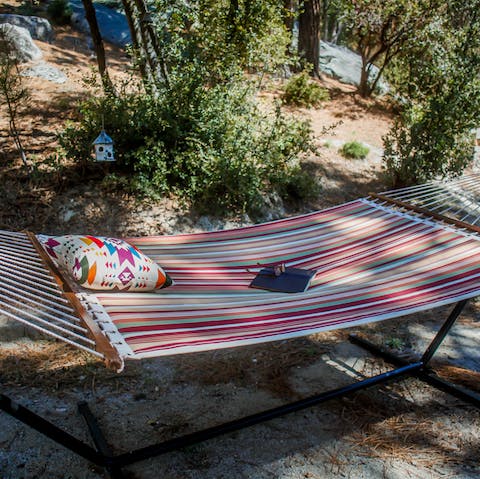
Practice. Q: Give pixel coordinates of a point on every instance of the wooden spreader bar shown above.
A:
(103, 346)
(426, 212)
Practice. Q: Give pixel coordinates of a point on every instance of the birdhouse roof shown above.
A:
(103, 139)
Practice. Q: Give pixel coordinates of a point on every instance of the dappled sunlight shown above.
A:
(204, 142)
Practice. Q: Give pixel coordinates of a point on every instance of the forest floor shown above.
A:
(406, 430)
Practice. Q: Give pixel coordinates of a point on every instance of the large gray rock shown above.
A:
(23, 48)
(39, 28)
(45, 71)
(345, 65)
(112, 23)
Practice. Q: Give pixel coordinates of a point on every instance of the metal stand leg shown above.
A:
(444, 330)
(210, 433)
(113, 464)
(50, 430)
(426, 374)
(98, 437)
(104, 457)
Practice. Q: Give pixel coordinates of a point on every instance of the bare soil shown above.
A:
(398, 431)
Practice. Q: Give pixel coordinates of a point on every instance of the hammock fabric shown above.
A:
(373, 262)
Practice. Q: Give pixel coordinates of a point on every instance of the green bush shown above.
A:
(216, 149)
(198, 134)
(437, 79)
(301, 90)
(251, 33)
(28, 8)
(114, 4)
(354, 150)
(59, 12)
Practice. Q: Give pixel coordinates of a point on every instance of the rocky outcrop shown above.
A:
(39, 28)
(22, 46)
(345, 65)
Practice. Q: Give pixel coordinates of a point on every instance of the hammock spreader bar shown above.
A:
(427, 213)
(458, 198)
(103, 345)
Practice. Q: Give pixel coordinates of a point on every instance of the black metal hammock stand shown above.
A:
(385, 256)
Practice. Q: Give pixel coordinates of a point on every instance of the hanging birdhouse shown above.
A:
(103, 147)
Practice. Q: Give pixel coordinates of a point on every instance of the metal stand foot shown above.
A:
(101, 444)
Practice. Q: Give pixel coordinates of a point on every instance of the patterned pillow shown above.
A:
(105, 263)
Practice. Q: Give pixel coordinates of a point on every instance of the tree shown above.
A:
(199, 132)
(289, 8)
(309, 33)
(331, 21)
(13, 94)
(380, 30)
(437, 76)
(98, 44)
(145, 43)
(250, 33)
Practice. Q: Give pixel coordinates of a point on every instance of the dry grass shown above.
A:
(463, 377)
(400, 423)
(48, 366)
(399, 437)
(267, 366)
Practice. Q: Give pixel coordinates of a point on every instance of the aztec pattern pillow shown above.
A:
(105, 263)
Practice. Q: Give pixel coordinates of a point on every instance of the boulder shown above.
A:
(345, 65)
(23, 48)
(45, 71)
(39, 28)
(113, 24)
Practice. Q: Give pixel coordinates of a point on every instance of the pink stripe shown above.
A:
(202, 265)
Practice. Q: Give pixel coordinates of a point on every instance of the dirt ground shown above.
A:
(406, 430)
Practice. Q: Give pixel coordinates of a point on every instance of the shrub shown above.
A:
(199, 133)
(13, 94)
(437, 79)
(211, 146)
(28, 8)
(354, 150)
(302, 91)
(251, 33)
(416, 152)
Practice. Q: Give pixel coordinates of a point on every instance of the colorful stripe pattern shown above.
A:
(373, 263)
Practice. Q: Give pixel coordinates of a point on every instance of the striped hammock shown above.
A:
(374, 260)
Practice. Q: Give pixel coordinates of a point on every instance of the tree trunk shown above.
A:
(363, 87)
(129, 15)
(145, 43)
(98, 45)
(309, 34)
(288, 16)
(331, 26)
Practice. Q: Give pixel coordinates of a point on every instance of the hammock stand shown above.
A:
(75, 320)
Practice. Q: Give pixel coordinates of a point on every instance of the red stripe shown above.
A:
(265, 318)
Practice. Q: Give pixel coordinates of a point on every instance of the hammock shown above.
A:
(376, 258)
(374, 261)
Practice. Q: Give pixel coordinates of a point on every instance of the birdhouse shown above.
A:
(103, 147)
